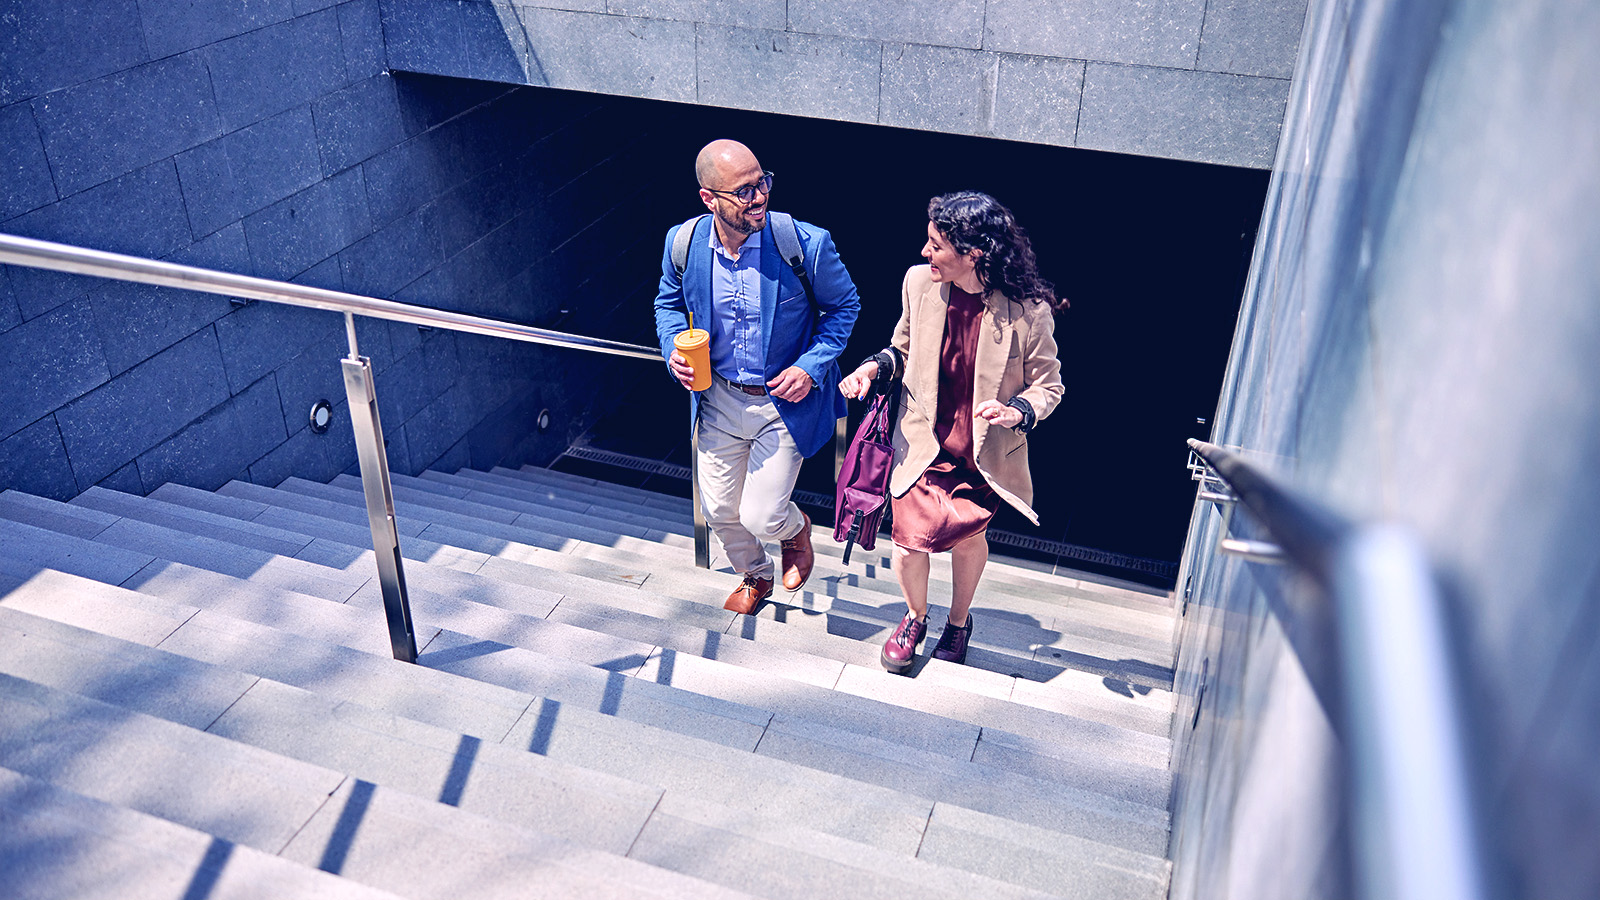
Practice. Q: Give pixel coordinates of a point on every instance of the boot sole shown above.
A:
(898, 668)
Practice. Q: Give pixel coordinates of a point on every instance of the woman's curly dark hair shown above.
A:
(971, 220)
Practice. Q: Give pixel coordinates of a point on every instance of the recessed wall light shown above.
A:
(321, 416)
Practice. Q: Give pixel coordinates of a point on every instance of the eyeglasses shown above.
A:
(748, 193)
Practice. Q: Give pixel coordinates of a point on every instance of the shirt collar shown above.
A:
(753, 242)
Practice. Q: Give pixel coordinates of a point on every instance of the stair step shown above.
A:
(222, 528)
(157, 767)
(27, 548)
(286, 507)
(469, 485)
(1038, 858)
(57, 632)
(258, 566)
(760, 857)
(971, 784)
(598, 488)
(118, 853)
(430, 850)
(511, 511)
(346, 531)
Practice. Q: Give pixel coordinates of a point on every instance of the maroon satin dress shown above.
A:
(950, 502)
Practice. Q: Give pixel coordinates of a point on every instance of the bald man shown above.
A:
(773, 398)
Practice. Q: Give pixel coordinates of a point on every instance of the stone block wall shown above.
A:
(269, 138)
(1202, 80)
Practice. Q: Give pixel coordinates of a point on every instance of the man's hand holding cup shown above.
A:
(681, 370)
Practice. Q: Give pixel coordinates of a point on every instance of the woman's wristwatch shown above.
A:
(888, 361)
(1022, 406)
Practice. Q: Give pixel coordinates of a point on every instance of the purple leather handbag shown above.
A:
(862, 494)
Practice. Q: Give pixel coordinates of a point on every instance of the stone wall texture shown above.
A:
(1202, 80)
(1417, 344)
(269, 138)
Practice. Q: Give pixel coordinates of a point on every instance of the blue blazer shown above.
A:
(793, 332)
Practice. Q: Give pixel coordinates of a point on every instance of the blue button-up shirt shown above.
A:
(736, 312)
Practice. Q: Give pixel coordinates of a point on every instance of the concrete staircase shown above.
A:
(199, 702)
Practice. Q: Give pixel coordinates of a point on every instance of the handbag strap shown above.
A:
(884, 411)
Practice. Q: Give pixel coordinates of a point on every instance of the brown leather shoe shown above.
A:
(748, 594)
(798, 557)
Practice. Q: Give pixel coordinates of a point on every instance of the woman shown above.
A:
(976, 353)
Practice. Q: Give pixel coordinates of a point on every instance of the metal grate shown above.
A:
(1157, 567)
(624, 461)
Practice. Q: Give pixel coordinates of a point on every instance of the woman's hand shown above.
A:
(997, 413)
(857, 384)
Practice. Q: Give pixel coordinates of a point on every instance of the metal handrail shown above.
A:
(1417, 829)
(38, 254)
(360, 386)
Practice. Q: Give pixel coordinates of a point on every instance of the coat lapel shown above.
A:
(989, 360)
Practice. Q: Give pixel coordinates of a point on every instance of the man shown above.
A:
(773, 398)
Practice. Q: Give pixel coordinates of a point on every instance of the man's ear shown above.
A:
(709, 199)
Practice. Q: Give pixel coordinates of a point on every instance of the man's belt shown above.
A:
(754, 390)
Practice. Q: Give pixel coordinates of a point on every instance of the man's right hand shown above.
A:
(858, 383)
(681, 370)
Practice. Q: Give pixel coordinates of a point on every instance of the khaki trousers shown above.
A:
(748, 467)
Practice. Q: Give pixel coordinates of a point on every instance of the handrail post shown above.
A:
(702, 531)
(360, 389)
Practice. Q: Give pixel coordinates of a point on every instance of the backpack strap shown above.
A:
(680, 243)
(787, 237)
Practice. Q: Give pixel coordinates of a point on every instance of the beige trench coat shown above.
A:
(1016, 356)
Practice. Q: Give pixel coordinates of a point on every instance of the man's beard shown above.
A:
(737, 222)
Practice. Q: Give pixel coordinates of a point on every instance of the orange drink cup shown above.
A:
(695, 345)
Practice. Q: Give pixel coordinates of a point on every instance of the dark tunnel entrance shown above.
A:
(1152, 253)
